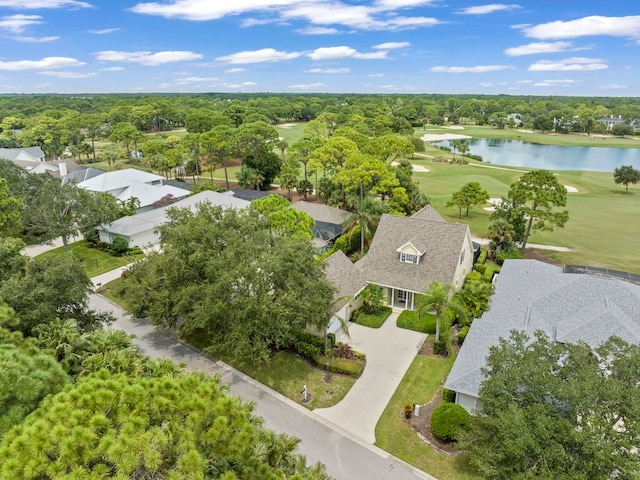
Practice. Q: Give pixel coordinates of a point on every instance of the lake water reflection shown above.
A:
(517, 153)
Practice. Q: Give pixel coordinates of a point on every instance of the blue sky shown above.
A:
(533, 47)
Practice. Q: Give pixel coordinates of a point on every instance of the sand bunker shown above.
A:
(439, 137)
(493, 201)
(571, 189)
(415, 168)
(287, 125)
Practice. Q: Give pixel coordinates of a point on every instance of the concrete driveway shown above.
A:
(390, 350)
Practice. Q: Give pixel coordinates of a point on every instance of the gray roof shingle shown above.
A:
(344, 275)
(442, 242)
(321, 212)
(568, 307)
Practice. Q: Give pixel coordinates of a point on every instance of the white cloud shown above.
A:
(35, 39)
(334, 53)
(147, 58)
(574, 64)
(476, 69)
(486, 9)
(554, 83)
(381, 15)
(258, 56)
(307, 86)
(538, 47)
(318, 31)
(236, 70)
(627, 27)
(376, 75)
(104, 31)
(330, 70)
(201, 10)
(239, 85)
(47, 63)
(112, 69)
(188, 80)
(613, 86)
(18, 23)
(69, 75)
(252, 22)
(391, 45)
(39, 4)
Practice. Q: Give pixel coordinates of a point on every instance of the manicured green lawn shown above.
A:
(286, 373)
(94, 261)
(409, 319)
(290, 132)
(394, 435)
(373, 320)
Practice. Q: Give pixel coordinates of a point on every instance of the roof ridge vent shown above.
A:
(527, 315)
(607, 302)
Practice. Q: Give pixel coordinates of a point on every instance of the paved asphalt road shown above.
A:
(345, 457)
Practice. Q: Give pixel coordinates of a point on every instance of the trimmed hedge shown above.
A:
(490, 271)
(448, 420)
(409, 319)
(439, 347)
(482, 258)
(473, 276)
(480, 268)
(353, 368)
(512, 253)
(462, 334)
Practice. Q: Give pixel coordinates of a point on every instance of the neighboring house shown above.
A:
(139, 229)
(251, 195)
(81, 175)
(27, 154)
(516, 118)
(328, 220)
(128, 183)
(530, 296)
(55, 168)
(349, 281)
(611, 121)
(408, 253)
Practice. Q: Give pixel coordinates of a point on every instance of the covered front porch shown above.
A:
(398, 298)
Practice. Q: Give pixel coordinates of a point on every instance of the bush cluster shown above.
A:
(508, 254)
(448, 420)
(448, 396)
(440, 347)
(490, 271)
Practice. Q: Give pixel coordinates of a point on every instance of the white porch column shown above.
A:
(393, 297)
(413, 295)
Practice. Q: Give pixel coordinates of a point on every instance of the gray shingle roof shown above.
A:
(322, 213)
(428, 213)
(568, 307)
(26, 153)
(442, 242)
(81, 175)
(344, 275)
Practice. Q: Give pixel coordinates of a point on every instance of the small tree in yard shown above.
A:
(625, 175)
(372, 298)
(470, 194)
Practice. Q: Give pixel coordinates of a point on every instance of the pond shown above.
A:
(517, 153)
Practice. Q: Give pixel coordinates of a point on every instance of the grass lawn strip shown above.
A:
(394, 435)
(373, 320)
(94, 261)
(409, 319)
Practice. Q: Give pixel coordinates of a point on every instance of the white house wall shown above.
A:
(469, 403)
(463, 268)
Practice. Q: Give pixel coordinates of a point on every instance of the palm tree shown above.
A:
(366, 212)
(337, 304)
(439, 300)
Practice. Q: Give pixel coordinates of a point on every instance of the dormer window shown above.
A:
(408, 258)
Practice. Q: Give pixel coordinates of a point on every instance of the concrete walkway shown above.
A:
(390, 351)
(344, 454)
